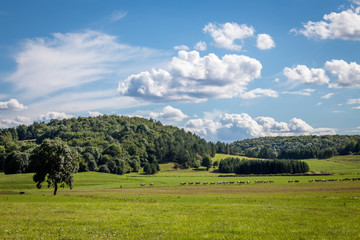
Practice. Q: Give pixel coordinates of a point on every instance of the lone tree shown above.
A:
(54, 162)
(206, 162)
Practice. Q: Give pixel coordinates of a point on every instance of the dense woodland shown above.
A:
(244, 166)
(294, 147)
(120, 144)
(112, 144)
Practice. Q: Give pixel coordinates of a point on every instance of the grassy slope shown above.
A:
(97, 208)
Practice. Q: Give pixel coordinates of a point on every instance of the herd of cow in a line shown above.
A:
(259, 181)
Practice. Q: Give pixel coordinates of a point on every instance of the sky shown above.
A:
(225, 70)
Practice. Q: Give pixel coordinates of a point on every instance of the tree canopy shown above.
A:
(54, 162)
(110, 143)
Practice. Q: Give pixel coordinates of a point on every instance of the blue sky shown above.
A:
(226, 70)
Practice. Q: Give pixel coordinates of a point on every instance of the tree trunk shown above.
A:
(56, 187)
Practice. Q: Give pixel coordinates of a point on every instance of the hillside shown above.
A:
(115, 144)
(297, 147)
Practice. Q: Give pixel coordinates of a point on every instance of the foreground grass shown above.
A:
(107, 206)
(97, 208)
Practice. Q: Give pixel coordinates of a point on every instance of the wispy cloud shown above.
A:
(117, 15)
(65, 61)
(328, 96)
(303, 92)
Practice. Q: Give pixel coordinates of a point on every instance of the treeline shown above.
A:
(244, 166)
(109, 143)
(295, 147)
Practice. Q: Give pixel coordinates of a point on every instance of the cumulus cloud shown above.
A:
(181, 47)
(344, 25)
(12, 104)
(328, 96)
(264, 42)
(53, 115)
(303, 92)
(348, 74)
(302, 74)
(193, 78)
(169, 113)
(200, 46)
(47, 65)
(224, 35)
(232, 127)
(6, 123)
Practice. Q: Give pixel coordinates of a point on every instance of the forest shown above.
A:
(245, 166)
(109, 143)
(121, 144)
(293, 147)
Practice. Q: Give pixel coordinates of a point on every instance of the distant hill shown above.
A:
(296, 147)
(110, 143)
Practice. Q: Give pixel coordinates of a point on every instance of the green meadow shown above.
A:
(107, 206)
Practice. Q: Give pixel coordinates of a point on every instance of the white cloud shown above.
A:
(259, 92)
(12, 104)
(181, 47)
(353, 101)
(224, 35)
(53, 115)
(328, 96)
(6, 123)
(169, 113)
(232, 127)
(47, 65)
(344, 25)
(95, 114)
(193, 78)
(302, 74)
(264, 42)
(200, 46)
(204, 127)
(117, 15)
(303, 92)
(348, 74)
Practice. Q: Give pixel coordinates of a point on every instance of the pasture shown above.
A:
(106, 206)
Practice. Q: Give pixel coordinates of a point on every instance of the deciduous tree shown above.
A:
(54, 162)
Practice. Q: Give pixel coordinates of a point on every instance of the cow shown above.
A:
(231, 182)
(205, 183)
(212, 183)
(190, 183)
(142, 184)
(248, 182)
(197, 183)
(290, 181)
(183, 183)
(310, 180)
(296, 181)
(271, 181)
(152, 184)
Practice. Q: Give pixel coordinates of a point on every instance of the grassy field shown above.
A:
(106, 206)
